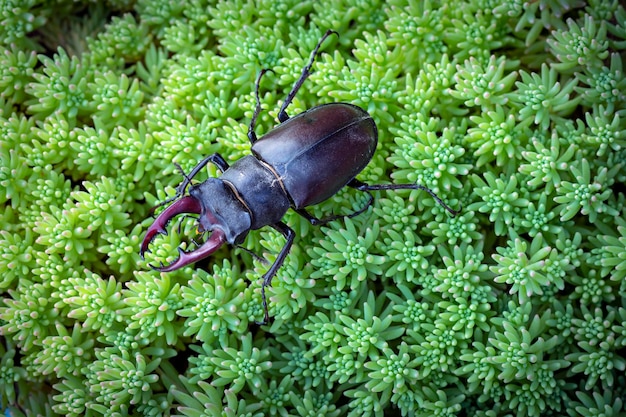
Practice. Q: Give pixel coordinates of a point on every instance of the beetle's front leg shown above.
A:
(267, 278)
(215, 158)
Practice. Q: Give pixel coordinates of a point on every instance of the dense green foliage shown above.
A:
(513, 110)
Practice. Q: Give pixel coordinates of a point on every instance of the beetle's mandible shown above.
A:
(303, 161)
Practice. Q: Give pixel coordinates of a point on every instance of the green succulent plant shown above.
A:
(512, 111)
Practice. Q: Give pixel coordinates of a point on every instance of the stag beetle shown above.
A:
(303, 161)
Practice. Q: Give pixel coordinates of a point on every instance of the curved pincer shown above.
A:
(216, 240)
(186, 204)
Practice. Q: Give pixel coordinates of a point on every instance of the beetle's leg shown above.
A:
(215, 158)
(361, 186)
(318, 222)
(257, 109)
(312, 219)
(306, 71)
(267, 278)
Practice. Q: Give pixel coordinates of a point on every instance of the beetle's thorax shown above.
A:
(259, 189)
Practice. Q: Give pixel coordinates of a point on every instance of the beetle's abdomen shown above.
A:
(319, 151)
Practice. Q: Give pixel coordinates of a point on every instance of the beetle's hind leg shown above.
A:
(319, 222)
(361, 186)
(306, 71)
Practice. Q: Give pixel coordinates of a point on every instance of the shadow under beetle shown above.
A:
(303, 161)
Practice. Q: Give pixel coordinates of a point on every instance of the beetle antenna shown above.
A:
(184, 183)
(254, 255)
(164, 202)
(180, 190)
(215, 158)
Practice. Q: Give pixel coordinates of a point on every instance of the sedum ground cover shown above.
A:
(514, 111)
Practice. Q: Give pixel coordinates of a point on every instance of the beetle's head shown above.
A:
(220, 213)
(187, 204)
